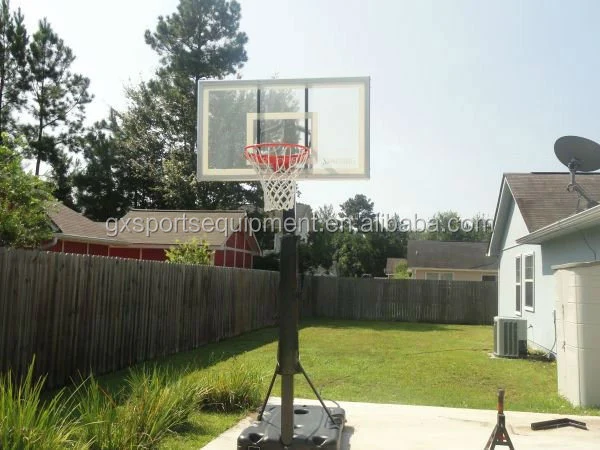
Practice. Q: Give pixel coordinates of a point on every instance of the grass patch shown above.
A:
(234, 387)
(380, 362)
(391, 362)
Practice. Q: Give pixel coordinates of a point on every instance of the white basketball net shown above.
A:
(278, 167)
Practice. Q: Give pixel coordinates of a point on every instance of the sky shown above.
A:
(461, 91)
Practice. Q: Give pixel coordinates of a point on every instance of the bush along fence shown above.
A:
(79, 314)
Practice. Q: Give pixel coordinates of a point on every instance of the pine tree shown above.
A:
(57, 104)
(99, 191)
(13, 63)
(201, 40)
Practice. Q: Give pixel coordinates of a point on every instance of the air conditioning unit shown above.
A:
(510, 337)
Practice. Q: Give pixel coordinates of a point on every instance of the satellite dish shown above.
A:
(579, 155)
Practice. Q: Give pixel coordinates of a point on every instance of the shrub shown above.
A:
(24, 202)
(401, 271)
(100, 414)
(191, 252)
(235, 387)
(155, 406)
(27, 422)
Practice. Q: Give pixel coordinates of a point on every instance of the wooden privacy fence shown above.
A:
(466, 302)
(79, 314)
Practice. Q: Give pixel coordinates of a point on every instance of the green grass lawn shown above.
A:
(419, 364)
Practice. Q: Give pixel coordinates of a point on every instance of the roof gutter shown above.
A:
(78, 238)
(579, 221)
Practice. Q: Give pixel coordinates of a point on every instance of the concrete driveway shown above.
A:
(373, 426)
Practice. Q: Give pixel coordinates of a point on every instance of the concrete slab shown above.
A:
(373, 426)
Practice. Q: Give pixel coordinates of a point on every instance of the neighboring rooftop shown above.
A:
(143, 226)
(73, 224)
(212, 226)
(450, 255)
(543, 198)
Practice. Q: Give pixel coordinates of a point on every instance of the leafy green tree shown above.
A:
(359, 211)
(383, 244)
(98, 183)
(57, 104)
(191, 252)
(14, 82)
(401, 271)
(318, 251)
(373, 247)
(24, 202)
(352, 254)
(482, 228)
(450, 226)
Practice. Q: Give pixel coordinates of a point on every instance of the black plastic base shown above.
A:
(312, 430)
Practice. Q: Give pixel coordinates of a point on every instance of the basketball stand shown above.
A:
(278, 131)
(288, 426)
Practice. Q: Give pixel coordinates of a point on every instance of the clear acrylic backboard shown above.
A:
(330, 116)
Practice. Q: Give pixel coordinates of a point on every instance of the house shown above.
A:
(538, 225)
(146, 234)
(444, 260)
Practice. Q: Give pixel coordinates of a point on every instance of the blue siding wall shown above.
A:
(576, 247)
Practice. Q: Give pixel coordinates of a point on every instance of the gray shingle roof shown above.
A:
(72, 223)
(212, 226)
(543, 198)
(224, 223)
(450, 255)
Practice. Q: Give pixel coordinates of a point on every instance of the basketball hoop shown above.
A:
(278, 167)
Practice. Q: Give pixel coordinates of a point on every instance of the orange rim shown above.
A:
(252, 153)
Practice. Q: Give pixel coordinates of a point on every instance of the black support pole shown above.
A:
(288, 354)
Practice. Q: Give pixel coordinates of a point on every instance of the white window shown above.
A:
(518, 285)
(529, 282)
(446, 276)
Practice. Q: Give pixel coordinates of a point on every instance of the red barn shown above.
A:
(146, 234)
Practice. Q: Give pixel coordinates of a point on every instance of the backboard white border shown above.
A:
(206, 174)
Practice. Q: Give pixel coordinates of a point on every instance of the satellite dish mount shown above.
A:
(579, 155)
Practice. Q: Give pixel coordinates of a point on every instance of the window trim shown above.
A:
(518, 284)
(530, 280)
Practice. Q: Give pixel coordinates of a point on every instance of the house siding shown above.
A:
(462, 275)
(238, 251)
(540, 329)
(567, 249)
